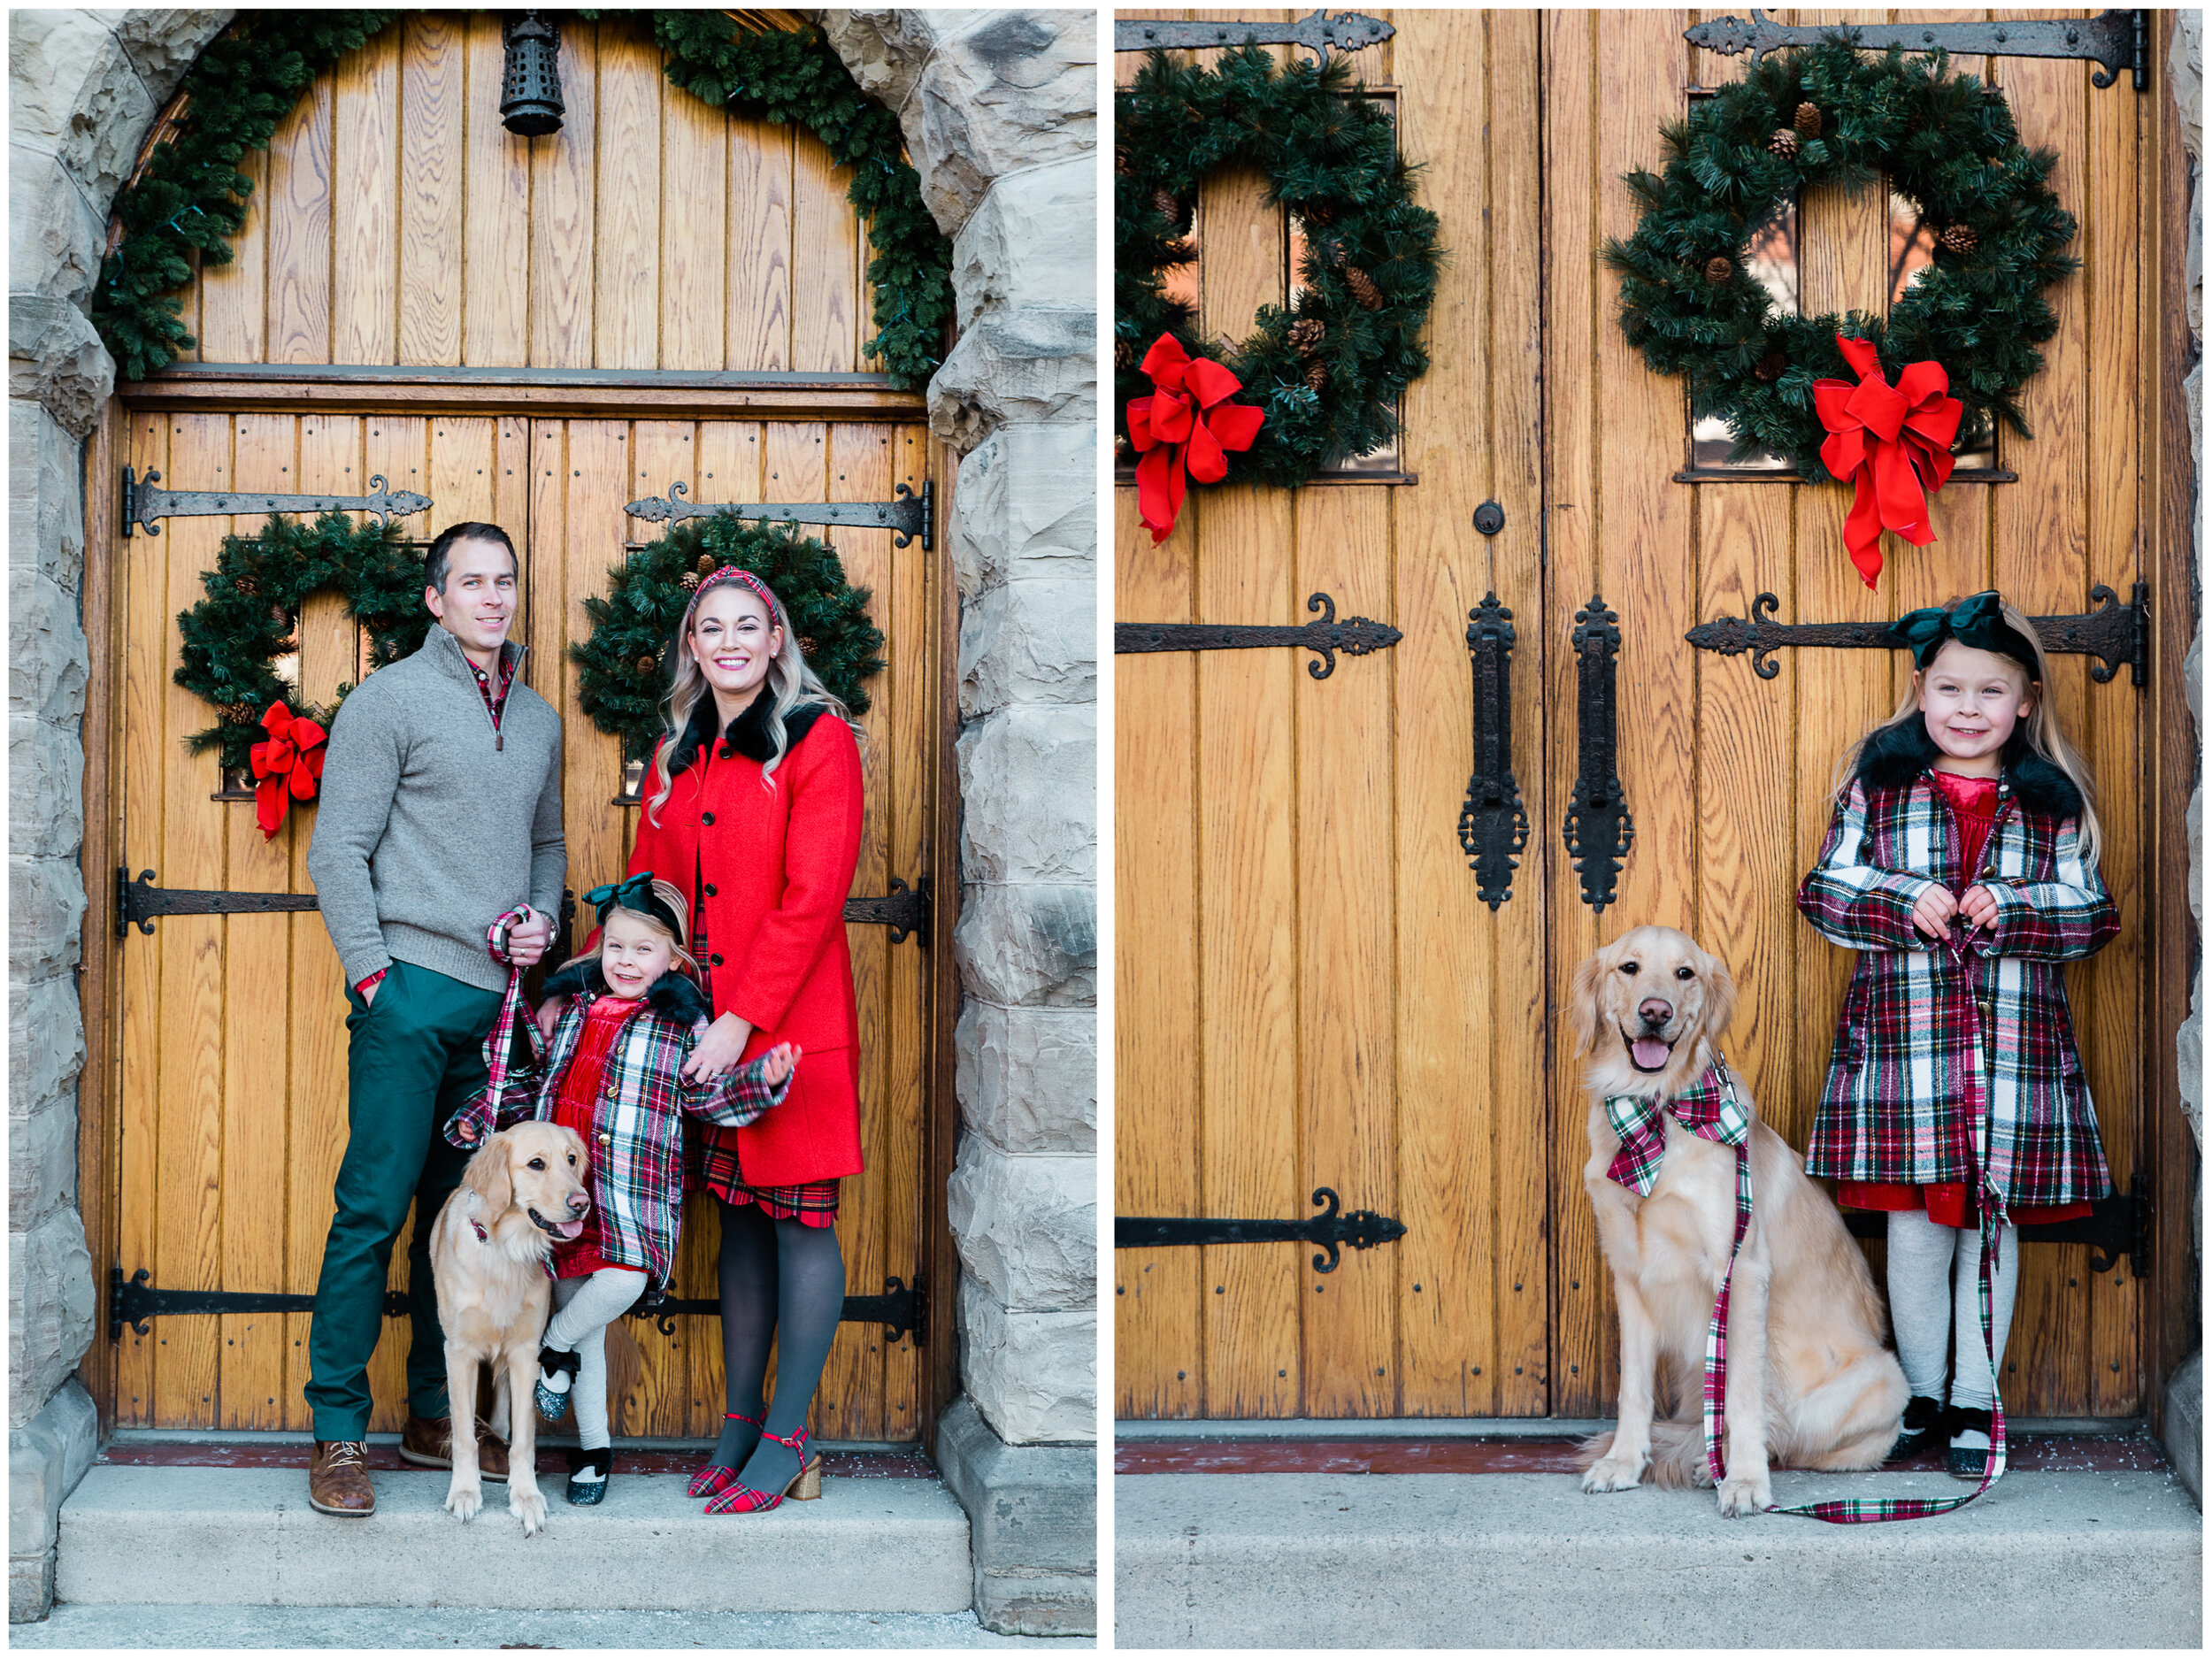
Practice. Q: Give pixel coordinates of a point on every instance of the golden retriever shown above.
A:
(1810, 1383)
(524, 1189)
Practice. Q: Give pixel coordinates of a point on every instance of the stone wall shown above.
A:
(83, 88)
(1000, 113)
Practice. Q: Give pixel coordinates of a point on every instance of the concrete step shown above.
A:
(245, 1537)
(1526, 1560)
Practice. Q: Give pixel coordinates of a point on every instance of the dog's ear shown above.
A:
(1582, 1003)
(1720, 991)
(490, 1177)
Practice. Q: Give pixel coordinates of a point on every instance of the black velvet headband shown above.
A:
(634, 894)
(1977, 622)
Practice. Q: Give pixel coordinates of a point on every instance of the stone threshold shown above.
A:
(1130, 1429)
(179, 1449)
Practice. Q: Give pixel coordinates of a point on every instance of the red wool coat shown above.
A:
(772, 867)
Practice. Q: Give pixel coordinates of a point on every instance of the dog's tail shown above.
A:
(1678, 1455)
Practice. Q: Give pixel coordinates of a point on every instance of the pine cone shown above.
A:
(1718, 270)
(248, 586)
(1316, 374)
(806, 646)
(1168, 207)
(1784, 143)
(238, 714)
(1125, 356)
(1306, 335)
(689, 582)
(1959, 239)
(706, 564)
(1808, 120)
(1770, 366)
(1121, 159)
(646, 664)
(280, 616)
(1363, 287)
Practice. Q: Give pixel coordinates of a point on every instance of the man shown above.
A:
(440, 811)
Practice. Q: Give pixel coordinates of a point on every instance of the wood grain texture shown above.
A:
(826, 297)
(694, 212)
(298, 206)
(234, 297)
(563, 212)
(433, 158)
(758, 335)
(496, 233)
(364, 159)
(627, 277)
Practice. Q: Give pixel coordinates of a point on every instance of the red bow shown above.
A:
(1186, 425)
(1894, 442)
(288, 765)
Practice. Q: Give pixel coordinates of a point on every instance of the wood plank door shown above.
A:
(1340, 1010)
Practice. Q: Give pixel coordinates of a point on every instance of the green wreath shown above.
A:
(250, 617)
(1825, 115)
(190, 193)
(621, 680)
(1329, 374)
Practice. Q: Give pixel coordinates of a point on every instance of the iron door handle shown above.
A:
(1598, 829)
(1493, 822)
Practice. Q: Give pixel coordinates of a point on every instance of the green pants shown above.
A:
(413, 1056)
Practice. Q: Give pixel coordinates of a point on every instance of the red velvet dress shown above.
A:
(1973, 803)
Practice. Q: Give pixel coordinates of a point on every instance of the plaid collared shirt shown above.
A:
(1942, 1044)
(1708, 1108)
(496, 701)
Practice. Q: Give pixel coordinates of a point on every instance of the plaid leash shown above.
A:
(499, 1045)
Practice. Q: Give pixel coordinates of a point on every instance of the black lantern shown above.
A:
(530, 91)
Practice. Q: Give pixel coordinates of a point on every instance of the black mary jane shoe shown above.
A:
(1922, 1427)
(1966, 1462)
(587, 1474)
(552, 1403)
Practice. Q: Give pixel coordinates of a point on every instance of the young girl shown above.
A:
(1962, 863)
(614, 1073)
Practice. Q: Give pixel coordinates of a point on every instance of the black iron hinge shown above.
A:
(143, 503)
(2117, 1228)
(1347, 31)
(1354, 636)
(2117, 40)
(2118, 634)
(906, 518)
(899, 1309)
(1361, 1229)
(904, 910)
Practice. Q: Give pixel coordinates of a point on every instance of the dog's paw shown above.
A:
(528, 1505)
(1745, 1493)
(1614, 1473)
(464, 1502)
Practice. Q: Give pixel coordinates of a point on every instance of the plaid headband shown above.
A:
(734, 572)
(1977, 622)
(636, 894)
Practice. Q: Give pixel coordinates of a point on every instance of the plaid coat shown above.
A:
(1940, 1042)
(637, 1142)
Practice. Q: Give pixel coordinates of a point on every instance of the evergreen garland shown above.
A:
(625, 677)
(191, 194)
(250, 617)
(1978, 310)
(1328, 373)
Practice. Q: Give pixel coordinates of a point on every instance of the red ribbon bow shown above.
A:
(1184, 426)
(288, 765)
(1894, 442)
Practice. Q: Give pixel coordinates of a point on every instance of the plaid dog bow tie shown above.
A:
(1708, 1108)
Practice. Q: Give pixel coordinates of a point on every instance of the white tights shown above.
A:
(1935, 1306)
(585, 1306)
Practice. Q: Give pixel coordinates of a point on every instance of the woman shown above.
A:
(753, 805)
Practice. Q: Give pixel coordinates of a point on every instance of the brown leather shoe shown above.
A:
(427, 1442)
(338, 1479)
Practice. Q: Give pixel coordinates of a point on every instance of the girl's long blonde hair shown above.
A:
(679, 906)
(790, 684)
(2039, 731)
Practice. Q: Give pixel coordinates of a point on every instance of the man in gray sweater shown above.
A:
(440, 811)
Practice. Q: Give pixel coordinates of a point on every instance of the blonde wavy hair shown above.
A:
(791, 684)
(679, 941)
(2039, 731)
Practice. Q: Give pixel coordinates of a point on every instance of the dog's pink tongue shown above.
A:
(1650, 1054)
(568, 1229)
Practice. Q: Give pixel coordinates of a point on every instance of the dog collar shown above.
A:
(1708, 1108)
(481, 1235)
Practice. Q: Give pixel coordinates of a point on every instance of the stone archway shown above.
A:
(999, 109)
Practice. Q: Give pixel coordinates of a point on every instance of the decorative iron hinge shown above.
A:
(2118, 40)
(1347, 31)
(1362, 1228)
(143, 503)
(2116, 1228)
(905, 517)
(905, 910)
(134, 1301)
(1493, 822)
(898, 1309)
(1598, 829)
(2118, 633)
(1354, 636)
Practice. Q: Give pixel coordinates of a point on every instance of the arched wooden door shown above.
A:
(532, 333)
(1342, 1010)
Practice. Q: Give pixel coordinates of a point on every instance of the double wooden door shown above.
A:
(1312, 992)
(231, 1116)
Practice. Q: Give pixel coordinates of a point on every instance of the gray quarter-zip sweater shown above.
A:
(429, 824)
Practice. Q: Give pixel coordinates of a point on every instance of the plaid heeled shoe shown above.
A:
(714, 1477)
(804, 1487)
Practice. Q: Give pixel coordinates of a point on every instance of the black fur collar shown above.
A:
(748, 734)
(1894, 756)
(673, 994)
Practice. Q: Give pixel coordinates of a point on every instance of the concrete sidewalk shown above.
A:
(2045, 1560)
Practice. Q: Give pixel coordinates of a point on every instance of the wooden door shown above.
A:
(714, 267)
(1342, 1011)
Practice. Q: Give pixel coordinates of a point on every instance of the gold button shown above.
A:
(606, 1140)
